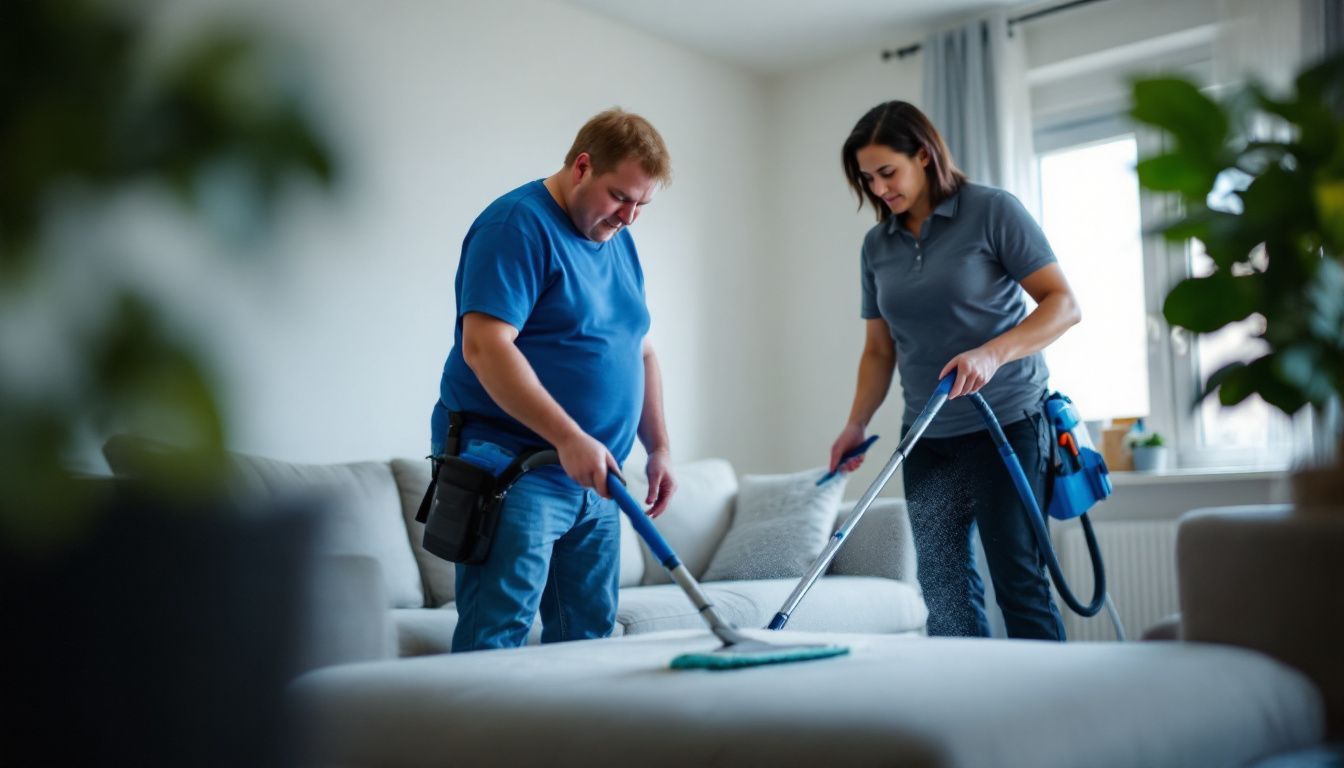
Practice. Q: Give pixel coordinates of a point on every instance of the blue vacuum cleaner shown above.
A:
(1080, 481)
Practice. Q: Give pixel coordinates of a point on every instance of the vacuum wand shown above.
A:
(837, 540)
(738, 649)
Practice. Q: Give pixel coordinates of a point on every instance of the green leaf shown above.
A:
(1205, 304)
(1328, 195)
(1238, 381)
(1278, 200)
(1229, 383)
(1178, 107)
(1180, 172)
(1325, 304)
(1323, 84)
(1271, 386)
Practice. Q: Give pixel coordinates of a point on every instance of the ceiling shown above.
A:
(770, 36)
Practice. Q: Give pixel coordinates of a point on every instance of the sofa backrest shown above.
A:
(880, 545)
(693, 524)
(362, 514)
(359, 503)
(440, 576)
(702, 510)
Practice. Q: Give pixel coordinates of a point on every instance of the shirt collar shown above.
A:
(947, 209)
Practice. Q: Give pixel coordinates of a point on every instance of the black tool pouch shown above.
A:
(462, 506)
(460, 511)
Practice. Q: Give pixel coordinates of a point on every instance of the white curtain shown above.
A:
(975, 92)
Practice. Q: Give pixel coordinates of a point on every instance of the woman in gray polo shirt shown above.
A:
(943, 274)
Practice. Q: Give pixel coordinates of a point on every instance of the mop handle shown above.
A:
(661, 550)
(837, 540)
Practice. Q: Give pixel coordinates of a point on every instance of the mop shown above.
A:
(1080, 482)
(738, 650)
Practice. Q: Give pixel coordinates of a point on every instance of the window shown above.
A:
(1090, 213)
(1124, 361)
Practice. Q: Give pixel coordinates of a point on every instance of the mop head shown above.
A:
(754, 654)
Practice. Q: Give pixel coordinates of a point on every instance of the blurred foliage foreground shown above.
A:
(92, 108)
(1261, 180)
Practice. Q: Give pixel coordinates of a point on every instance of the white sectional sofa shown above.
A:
(1259, 589)
(369, 510)
(871, 587)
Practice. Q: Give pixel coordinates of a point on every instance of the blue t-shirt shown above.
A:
(579, 309)
(952, 289)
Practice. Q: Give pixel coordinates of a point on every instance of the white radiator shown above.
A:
(1140, 560)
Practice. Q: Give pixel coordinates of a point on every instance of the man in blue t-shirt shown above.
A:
(551, 348)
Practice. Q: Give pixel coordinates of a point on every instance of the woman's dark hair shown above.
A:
(902, 127)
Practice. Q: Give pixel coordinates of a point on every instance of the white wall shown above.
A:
(815, 231)
(331, 345)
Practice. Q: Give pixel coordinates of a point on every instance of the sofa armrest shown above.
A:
(1267, 578)
(880, 545)
(1166, 628)
(347, 618)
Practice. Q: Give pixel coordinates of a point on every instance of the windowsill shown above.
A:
(1201, 475)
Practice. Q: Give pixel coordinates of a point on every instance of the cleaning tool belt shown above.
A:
(462, 505)
(460, 511)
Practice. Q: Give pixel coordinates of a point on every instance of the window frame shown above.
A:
(1173, 377)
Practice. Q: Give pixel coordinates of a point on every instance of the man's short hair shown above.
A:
(614, 136)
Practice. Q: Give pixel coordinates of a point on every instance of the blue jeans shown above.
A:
(558, 549)
(956, 484)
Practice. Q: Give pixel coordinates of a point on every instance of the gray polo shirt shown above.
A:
(953, 289)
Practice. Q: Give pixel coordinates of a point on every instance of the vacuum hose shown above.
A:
(1014, 467)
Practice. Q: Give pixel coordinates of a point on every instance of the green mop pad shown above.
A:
(753, 653)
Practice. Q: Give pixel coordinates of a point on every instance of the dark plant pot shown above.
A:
(164, 637)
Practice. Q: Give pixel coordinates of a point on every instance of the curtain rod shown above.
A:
(901, 53)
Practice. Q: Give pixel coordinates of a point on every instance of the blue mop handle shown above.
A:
(663, 551)
(643, 525)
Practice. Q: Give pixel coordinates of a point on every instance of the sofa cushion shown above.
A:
(425, 631)
(880, 545)
(836, 603)
(780, 525)
(440, 576)
(696, 518)
(932, 702)
(632, 560)
(363, 516)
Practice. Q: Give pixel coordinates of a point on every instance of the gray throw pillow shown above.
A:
(781, 524)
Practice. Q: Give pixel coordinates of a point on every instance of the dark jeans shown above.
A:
(954, 484)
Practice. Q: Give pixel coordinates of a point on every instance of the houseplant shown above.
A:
(150, 623)
(94, 108)
(1277, 243)
(1150, 453)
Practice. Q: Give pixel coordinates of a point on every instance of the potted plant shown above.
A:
(151, 623)
(1277, 246)
(1150, 453)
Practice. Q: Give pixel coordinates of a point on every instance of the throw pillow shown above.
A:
(697, 517)
(781, 524)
